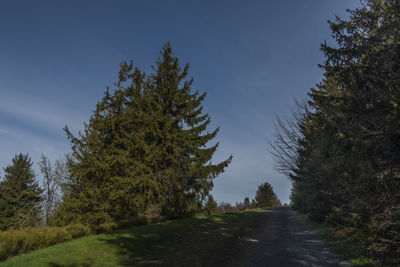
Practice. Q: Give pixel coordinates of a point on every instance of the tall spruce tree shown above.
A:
(20, 195)
(143, 150)
(185, 162)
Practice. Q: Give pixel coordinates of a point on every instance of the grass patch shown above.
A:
(351, 251)
(197, 241)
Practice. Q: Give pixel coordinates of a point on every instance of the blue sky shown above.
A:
(251, 57)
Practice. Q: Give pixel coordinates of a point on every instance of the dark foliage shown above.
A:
(265, 196)
(342, 150)
(210, 206)
(20, 195)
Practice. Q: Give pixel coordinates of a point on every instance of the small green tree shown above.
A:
(265, 196)
(20, 195)
(211, 205)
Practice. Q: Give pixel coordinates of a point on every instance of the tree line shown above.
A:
(23, 202)
(341, 148)
(144, 152)
(265, 198)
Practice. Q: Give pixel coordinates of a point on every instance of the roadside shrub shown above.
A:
(141, 220)
(55, 235)
(10, 242)
(137, 220)
(19, 241)
(77, 230)
(104, 227)
(152, 220)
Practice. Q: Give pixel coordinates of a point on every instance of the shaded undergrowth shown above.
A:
(350, 250)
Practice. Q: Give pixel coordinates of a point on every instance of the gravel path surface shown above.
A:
(284, 239)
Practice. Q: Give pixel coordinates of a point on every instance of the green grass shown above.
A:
(351, 251)
(197, 241)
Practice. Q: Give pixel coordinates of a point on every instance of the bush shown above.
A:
(18, 241)
(104, 227)
(77, 230)
(137, 220)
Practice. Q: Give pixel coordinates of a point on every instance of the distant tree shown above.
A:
(54, 178)
(253, 204)
(246, 203)
(144, 146)
(224, 207)
(239, 206)
(62, 177)
(265, 196)
(211, 205)
(20, 195)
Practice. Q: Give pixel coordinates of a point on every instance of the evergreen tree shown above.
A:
(346, 151)
(265, 196)
(20, 195)
(211, 205)
(143, 148)
(185, 161)
(110, 167)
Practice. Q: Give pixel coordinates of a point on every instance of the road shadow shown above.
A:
(286, 240)
(184, 242)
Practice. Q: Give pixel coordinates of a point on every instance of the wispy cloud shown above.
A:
(14, 141)
(29, 124)
(32, 110)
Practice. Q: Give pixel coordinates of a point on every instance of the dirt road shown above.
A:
(284, 239)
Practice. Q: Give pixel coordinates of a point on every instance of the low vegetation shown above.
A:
(19, 241)
(16, 241)
(198, 241)
(143, 153)
(353, 252)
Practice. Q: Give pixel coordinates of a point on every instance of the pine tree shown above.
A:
(265, 196)
(143, 149)
(20, 195)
